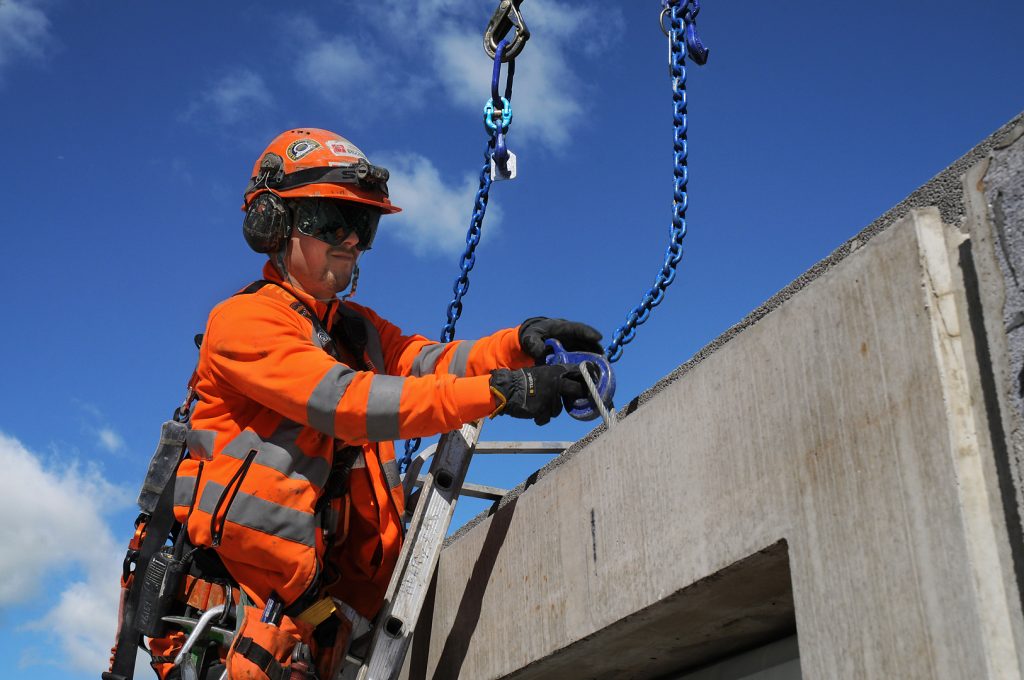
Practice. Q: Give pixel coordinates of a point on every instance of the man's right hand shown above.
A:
(536, 392)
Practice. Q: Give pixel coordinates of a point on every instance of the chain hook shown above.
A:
(689, 9)
(698, 53)
(505, 18)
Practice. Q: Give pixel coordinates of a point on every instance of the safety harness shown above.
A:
(153, 573)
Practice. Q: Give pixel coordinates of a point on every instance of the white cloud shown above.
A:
(581, 27)
(446, 36)
(95, 424)
(435, 214)
(24, 31)
(336, 69)
(60, 528)
(232, 98)
(110, 440)
(545, 100)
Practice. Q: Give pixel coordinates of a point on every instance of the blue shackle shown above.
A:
(584, 408)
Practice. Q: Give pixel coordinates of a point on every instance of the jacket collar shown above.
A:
(325, 311)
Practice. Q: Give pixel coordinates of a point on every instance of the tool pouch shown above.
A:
(262, 651)
(159, 591)
(163, 463)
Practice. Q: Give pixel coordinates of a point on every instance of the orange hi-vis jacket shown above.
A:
(275, 406)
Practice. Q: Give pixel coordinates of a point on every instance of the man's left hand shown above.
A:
(574, 336)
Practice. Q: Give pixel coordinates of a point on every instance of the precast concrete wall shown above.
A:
(845, 464)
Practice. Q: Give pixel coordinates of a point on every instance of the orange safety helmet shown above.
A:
(314, 163)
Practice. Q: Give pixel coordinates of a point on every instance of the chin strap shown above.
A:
(355, 283)
(278, 260)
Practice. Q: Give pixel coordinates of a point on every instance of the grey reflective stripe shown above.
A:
(426, 360)
(240, 446)
(261, 515)
(373, 346)
(201, 442)
(359, 462)
(323, 402)
(184, 487)
(382, 408)
(391, 473)
(461, 358)
(280, 452)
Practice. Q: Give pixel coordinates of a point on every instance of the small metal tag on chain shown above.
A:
(498, 174)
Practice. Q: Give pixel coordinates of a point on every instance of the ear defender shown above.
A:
(267, 221)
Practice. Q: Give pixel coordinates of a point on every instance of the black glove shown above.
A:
(575, 337)
(538, 391)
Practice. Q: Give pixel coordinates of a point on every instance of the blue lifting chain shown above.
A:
(682, 40)
(497, 118)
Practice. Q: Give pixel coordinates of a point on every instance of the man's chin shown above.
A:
(339, 284)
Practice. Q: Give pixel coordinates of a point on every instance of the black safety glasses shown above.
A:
(332, 221)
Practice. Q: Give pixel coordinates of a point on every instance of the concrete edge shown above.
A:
(944, 191)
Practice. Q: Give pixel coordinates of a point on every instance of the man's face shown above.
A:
(320, 269)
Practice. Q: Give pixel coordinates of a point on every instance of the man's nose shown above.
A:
(351, 239)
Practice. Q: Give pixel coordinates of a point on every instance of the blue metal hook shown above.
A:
(689, 10)
(584, 408)
(694, 46)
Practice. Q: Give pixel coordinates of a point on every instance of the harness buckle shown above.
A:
(505, 18)
(130, 558)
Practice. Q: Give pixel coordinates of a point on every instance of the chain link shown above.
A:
(466, 262)
(468, 259)
(476, 222)
(680, 13)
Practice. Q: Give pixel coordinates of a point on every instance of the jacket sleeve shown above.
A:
(266, 352)
(415, 355)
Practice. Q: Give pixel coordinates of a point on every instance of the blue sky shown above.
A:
(131, 129)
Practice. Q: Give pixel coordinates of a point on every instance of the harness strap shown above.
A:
(158, 528)
(337, 480)
(252, 651)
(299, 306)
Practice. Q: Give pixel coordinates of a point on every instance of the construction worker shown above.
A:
(291, 478)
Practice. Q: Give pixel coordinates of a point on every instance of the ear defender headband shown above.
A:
(268, 220)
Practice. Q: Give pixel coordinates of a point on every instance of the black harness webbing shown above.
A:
(263, 659)
(299, 306)
(158, 528)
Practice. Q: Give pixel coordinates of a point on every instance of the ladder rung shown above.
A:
(489, 493)
(522, 447)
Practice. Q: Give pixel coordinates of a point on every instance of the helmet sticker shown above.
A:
(301, 148)
(343, 147)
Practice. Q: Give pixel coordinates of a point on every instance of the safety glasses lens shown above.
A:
(334, 221)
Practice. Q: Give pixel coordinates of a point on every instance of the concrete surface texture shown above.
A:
(844, 464)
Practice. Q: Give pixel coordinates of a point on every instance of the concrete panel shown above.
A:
(864, 416)
(994, 193)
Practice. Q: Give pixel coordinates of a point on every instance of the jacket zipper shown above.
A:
(229, 493)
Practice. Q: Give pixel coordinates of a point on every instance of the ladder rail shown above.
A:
(435, 498)
(420, 553)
